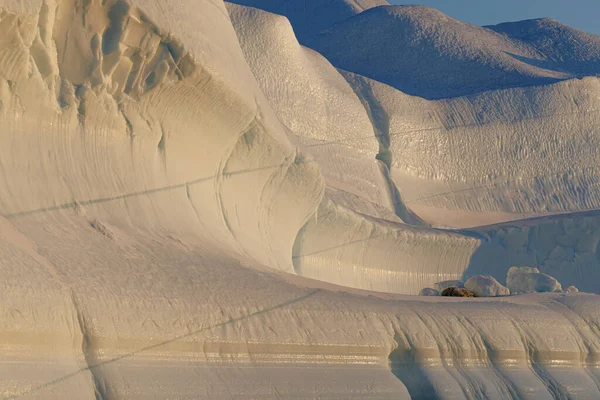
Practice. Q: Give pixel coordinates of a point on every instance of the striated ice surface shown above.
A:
(194, 205)
(487, 156)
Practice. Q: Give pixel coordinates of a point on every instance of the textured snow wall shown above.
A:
(458, 162)
(312, 99)
(491, 157)
(317, 104)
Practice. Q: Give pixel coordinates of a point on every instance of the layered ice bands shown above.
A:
(194, 205)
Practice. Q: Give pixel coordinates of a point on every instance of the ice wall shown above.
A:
(566, 247)
(312, 99)
(341, 246)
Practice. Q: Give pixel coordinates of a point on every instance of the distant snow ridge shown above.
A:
(423, 52)
(561, 47)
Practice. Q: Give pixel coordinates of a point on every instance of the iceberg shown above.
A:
(195, 205)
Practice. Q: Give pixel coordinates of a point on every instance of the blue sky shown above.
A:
(581, 14)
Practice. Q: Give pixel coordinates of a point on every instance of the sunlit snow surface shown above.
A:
(196, 206)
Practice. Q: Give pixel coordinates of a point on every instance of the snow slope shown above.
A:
(163, 207)
(423, 52)
(309, 17)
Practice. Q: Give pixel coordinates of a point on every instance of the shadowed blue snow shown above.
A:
(402, 46)
(580, 14)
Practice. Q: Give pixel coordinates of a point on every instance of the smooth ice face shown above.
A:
(189, 197)
(530, 280)
(486, 286)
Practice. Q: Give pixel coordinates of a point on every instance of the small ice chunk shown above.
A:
(486, 286)
(530, 280)
(429, 292)
(441, 286)
(572, 289)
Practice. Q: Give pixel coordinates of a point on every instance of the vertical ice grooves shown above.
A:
(380, 121)
(87, 351)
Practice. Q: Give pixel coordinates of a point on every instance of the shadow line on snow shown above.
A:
(166, 342)
(125, 196)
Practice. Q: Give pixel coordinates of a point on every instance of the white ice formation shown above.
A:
(530, 280)
(486, 286)
(194, 205)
